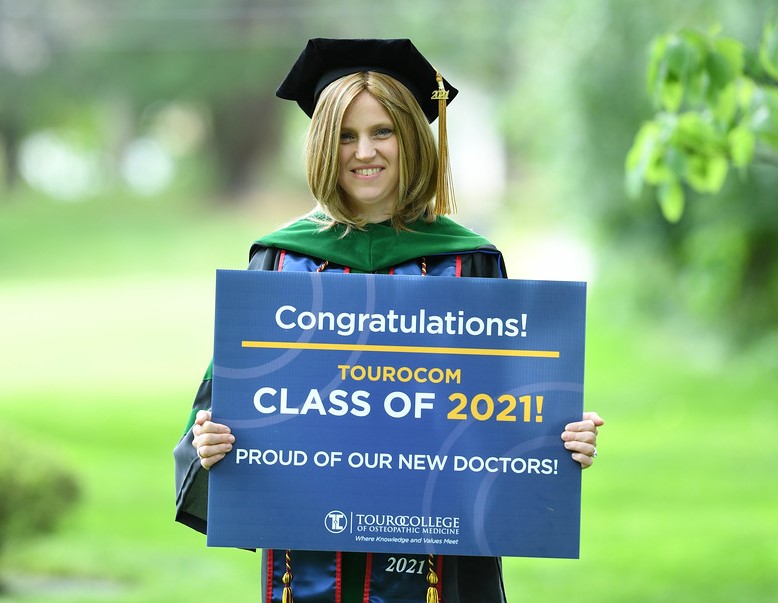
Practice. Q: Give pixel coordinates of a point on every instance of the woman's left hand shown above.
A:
(581, 438)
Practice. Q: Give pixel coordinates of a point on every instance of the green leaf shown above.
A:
(640, 157)
(671, 200)
(725, 66)
(745, 87)
(656, 66)
(671, 94)
(706, 174)
(680, 56)
(696, 133)
(733, 53)
(768, 49)
(719, 70)
(741, 146)
(724, 104)
(657, 170)
(680, 69)
(753, 67)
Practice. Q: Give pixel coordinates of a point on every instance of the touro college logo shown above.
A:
(336, 522)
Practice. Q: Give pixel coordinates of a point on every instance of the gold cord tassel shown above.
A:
(432, 581)
(286, 597)
(444, 200)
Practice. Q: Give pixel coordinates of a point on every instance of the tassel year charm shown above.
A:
(432, 583)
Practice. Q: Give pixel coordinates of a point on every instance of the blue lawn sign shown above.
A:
(397, 413)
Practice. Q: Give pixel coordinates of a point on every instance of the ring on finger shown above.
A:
(594, 454)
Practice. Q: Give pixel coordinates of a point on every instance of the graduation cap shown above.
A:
(324, 60)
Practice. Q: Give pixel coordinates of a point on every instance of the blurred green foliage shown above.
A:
(717, 104)
(38, 491)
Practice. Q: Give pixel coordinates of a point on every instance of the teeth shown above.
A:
(367, 172)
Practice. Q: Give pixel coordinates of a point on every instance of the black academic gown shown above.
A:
(463, 579)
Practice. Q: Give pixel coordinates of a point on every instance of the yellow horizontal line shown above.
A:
(350, 347)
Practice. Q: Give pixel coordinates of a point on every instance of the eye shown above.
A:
(346, 137)
(384, 132)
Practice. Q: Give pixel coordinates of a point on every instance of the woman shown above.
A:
(382, 190)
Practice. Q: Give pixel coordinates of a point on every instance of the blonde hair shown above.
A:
(417, 153)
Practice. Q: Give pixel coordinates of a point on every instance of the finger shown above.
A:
(582, 453)
(594, 417)
(588, 448)
(588, 437)
(211, 454)
(581, 426)
(202, 416)
(208, 462)
(210, 427)
(213, 439)
(209, 450)
(585, 460)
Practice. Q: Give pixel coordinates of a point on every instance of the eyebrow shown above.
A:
(376, 126)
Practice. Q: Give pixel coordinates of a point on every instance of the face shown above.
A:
(369, 159)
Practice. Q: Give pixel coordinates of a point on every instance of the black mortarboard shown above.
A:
(324, 60)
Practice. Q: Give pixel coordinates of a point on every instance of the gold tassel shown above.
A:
(286, 597)
(432, 581)
(444, 199)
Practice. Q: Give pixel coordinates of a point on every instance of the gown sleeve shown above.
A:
(191, 478)
(485, 263)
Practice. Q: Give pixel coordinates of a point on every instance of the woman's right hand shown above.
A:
(212, 441)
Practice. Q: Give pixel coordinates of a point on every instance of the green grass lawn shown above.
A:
(105, 334)
(104, 373)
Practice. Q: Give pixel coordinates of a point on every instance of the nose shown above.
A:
(365, 148)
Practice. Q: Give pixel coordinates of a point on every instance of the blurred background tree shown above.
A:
(38, 492)
(717, 104)
(711, 267)
(101, 76)
(113, 74)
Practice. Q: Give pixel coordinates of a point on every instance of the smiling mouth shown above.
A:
(366, 171)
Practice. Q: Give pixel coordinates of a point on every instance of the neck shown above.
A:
(377, 219)
(373, 215)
